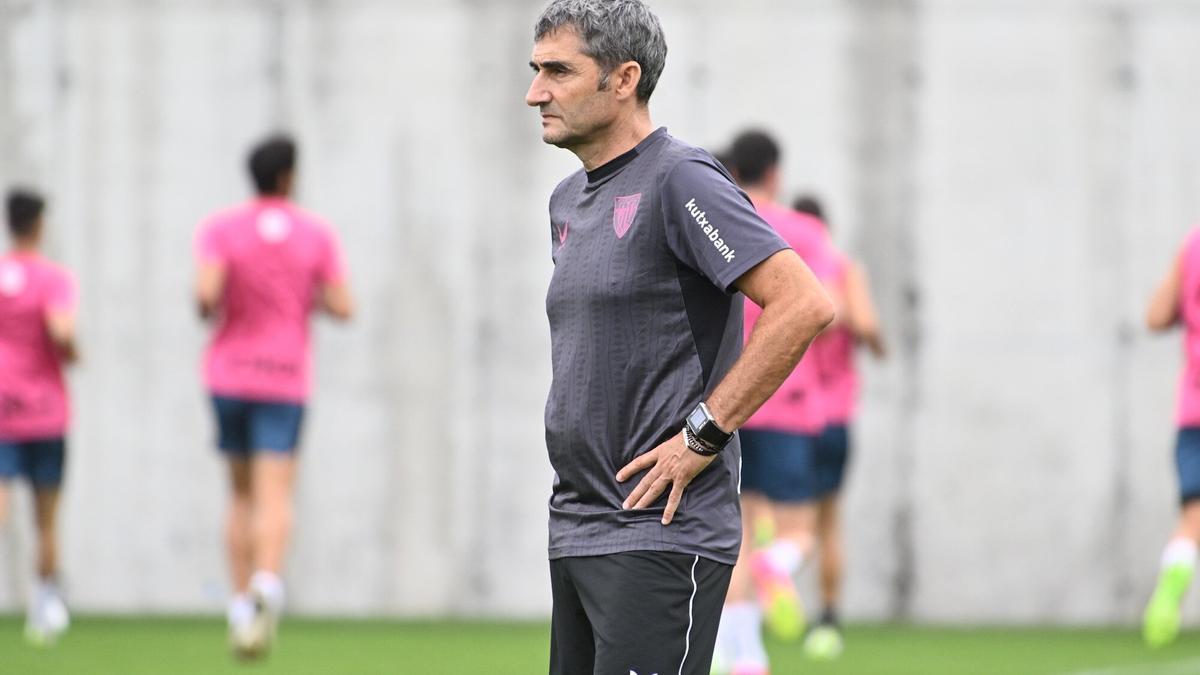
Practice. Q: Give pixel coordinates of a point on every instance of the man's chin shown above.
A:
(558, 139)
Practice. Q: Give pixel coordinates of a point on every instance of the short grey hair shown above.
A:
(613, 32)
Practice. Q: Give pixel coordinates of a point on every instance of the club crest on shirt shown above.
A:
(12, 280)
(624, 210)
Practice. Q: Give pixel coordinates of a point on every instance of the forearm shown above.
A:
(60, 325)
(1163, 311)
(780, 337)
(336, 301)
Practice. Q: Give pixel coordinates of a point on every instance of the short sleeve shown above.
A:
(61, 293)
(712, 226)
(209, 246)
(331, 268)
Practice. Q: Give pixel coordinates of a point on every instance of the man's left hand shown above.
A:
(671, 463)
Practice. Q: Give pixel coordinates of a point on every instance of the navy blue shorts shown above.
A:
(41, 462)
(779, 465)
(1187, 463)
(833, 452)
(245, 426)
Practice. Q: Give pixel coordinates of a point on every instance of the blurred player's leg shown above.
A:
(774, 568)
(739, 649)
(48, 617)
(4, 497)
(1160, 622)
(273, 474)
(824, 641)
(48, 613)
(1162, 617)
(238, 543)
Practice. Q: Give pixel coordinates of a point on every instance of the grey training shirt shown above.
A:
(644, 323)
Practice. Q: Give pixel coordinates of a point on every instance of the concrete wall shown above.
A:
(1015, 174)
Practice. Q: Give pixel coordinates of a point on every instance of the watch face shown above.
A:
(697, 419)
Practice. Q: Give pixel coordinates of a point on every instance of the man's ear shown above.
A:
(624, 79)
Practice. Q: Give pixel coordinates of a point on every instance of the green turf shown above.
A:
(103, 646)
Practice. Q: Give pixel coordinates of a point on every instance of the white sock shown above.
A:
(785, 555)
(270, 587)
(1179, 551)
(745, 633)
(45, 590)
(241, 610)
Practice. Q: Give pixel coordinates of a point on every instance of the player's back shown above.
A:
(32, 391)
(1188, 411)
(797, 406)
(275, 257)
(833, 353)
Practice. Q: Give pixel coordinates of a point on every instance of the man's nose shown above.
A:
(537, 94)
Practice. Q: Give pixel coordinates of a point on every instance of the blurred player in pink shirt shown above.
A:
(778, 481)
(832, 354)
(1176, 301)
(263, 267)
(37, 336)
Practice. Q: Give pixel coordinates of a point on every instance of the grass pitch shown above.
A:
(174, 646)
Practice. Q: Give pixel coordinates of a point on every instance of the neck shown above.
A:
(616, 140)
(26, 245)
(759, 194)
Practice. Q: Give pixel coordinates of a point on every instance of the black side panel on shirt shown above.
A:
(708, 311)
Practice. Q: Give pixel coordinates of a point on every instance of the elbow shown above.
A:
(341, 311)
(821, 311)
(1157, 323)
(1158, 320)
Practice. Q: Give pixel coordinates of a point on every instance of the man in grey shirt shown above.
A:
(652, 242)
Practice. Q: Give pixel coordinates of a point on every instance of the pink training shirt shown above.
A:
(1188, 413)
(833, 351)
(797, 407)
(276, 259)
(33, 394)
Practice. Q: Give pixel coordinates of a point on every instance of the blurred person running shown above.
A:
(833, 354)
(37, 336)
(652, 243)
(779, 479)
(263, 267)
(1176, 300)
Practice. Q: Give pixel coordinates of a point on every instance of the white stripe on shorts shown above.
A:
(687, 639)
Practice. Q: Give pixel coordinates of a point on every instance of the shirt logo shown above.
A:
(273, 226)
(713, 233)
(624, 210)
(561, 232)
(12, 280)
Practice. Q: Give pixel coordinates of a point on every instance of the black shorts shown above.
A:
(642, 612)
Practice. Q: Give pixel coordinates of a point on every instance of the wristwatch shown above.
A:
(701, 425)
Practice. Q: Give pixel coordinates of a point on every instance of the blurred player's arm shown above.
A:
(210, 285)
(336, 300)
(860, 309)
(60, 324)
(1163, 312)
